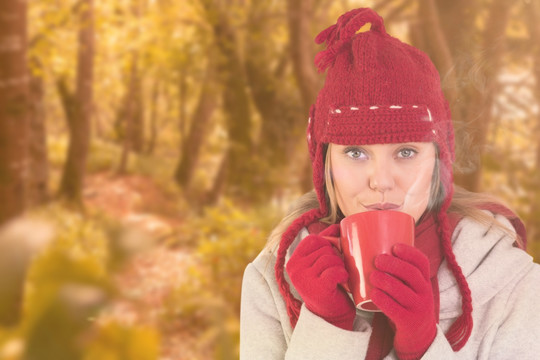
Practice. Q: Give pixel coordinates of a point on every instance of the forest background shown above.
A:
(147, 148)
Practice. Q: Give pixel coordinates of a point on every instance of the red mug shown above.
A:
(364, 236)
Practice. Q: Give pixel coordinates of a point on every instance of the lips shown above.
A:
(382, 206)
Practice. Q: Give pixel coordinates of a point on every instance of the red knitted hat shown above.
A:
(378, 90)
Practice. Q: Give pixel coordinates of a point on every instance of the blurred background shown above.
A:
(148, 147)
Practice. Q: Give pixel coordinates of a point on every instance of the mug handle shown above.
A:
(336, 242)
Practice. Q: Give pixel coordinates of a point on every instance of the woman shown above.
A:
(380, 137)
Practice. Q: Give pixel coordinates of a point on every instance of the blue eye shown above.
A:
(355, 153)
(407, 153)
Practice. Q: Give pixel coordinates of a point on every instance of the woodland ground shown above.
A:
(148, 278)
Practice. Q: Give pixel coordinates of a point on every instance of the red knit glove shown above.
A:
(316, 269)
(402, 290)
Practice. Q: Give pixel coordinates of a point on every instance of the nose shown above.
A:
(380, 176)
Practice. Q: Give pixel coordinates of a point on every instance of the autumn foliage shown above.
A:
(148, 147)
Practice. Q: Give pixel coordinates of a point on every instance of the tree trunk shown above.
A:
(463, 44)
(182, 106)
(238, 122)
(137, 100)
(39, 165)
(300, 17)
(136, 91)
(126, 145)
(14, 104)
(192, 143)
(453, 52)
(154, 110)
(79, 123)
(128, 116)
(435, 43)
(239, 156)
(479, 110)
(281, 109)
(218, 187)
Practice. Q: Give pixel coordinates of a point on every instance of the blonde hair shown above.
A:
(464, 203)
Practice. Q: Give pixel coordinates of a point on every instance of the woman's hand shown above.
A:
(316, 269)
(402, 290)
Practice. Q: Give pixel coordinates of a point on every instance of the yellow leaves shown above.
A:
(115, 341)
(77, 257)
(226, 238)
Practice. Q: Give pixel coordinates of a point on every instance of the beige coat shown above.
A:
(505, 286)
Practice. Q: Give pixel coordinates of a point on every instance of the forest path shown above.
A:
(148, 278)
(134, 200)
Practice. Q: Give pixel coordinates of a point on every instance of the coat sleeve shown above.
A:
(264, 336)
(518, 333)
(314, 338)
(440, 348)
(261, 333)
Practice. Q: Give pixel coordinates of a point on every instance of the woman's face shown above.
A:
(388, 176)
